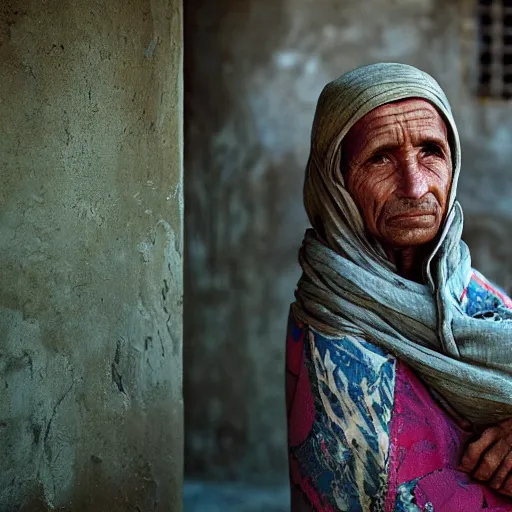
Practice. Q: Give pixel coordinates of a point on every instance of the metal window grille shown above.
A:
(495, 48)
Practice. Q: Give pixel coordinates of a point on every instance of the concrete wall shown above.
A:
(90, 255)
(254, 71)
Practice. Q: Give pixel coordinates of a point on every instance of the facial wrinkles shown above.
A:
(400, 135)
(406, 134)
(398, 129)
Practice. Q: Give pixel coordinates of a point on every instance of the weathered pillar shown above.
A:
(91, 248)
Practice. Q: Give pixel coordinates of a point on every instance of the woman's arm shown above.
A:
(339, 403)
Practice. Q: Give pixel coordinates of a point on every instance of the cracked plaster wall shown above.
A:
(91, 250)
(253, 73)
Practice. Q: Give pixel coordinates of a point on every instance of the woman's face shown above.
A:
(398, 170)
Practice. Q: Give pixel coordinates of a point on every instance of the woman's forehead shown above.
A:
(414, 112)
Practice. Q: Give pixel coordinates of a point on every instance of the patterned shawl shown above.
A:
(349, 286)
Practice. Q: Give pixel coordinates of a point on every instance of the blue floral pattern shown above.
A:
(485, 300)
(346, 454)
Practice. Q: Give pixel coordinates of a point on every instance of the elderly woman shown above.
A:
(399, 354)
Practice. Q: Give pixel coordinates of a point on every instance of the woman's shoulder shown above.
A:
(482, 298)
(348, 348)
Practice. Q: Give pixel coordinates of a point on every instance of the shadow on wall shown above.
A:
(242, 195)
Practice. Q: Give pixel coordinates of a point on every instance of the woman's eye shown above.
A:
(432, 150)
(379, 158)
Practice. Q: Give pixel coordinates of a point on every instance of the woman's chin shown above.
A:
(410, 236)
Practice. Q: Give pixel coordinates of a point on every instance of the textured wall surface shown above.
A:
(253, 73)
(90, 255)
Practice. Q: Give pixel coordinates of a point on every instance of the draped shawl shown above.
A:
(349, 286)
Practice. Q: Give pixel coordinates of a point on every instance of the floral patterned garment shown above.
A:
(364, 432)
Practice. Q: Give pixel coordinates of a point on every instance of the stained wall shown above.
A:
(91, 255)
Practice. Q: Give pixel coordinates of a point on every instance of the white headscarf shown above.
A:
(349, 286)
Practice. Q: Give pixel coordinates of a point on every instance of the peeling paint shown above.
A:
(148, 51)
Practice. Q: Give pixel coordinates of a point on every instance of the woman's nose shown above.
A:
(413, 181)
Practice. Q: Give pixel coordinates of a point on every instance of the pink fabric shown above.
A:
(427, 444)
(301, 405)
(301, 414)
(450, 490)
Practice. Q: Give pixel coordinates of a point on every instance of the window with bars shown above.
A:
(495, 49)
